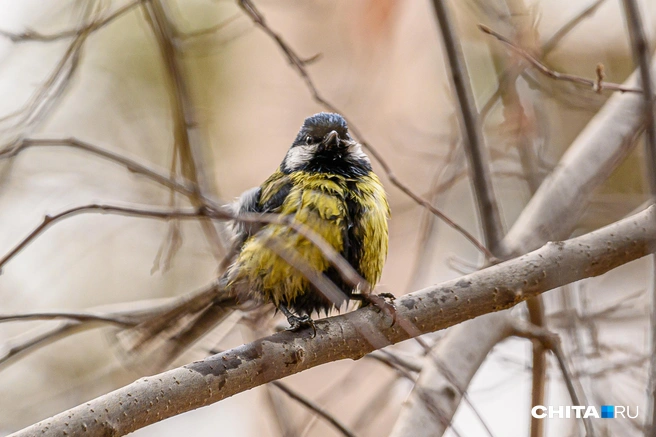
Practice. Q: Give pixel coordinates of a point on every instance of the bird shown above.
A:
(325, 182)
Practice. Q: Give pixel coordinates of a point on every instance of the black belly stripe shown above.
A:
(353, 245)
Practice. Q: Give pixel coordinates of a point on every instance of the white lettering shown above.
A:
(534, 412)
(579, 412)
(628, 413)
(591, 412)
(578, 409)
(559, 412)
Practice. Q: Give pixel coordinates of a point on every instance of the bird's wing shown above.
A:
(248, 202)
(267, 198)
(274, 191)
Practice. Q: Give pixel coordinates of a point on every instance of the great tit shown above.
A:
(326, 183)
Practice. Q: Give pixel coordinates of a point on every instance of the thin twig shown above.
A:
(77, 317)
(552, 42)
(299, 65)
(315, 408)
(131, 165)
(477, 153)
(395, 360)
(591, 83)
(185, 132)
(547, 47)
(44, 335)
(56, 83)
(49, 220)
(210, 30)
(30, 35)
(552, 342)
(347, 273)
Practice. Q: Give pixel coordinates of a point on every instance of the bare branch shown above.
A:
(509, 75)
(31, 35)
(395, 360)
(46, 334)
(307, 403)
(96, 208)
(346, 271)
(591, 83)
(477, 152)
(551, 342)
(355, 334)
(131, 165)
(186, 135)
(77, 317)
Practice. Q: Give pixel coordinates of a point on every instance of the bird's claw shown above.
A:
(297, 323)
(388, 296)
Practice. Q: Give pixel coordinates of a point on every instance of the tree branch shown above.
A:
(13, 150)
(307, 403)
(551, 341)
(30, 35)
(595, 84)
(353, 335)
(186, 136)
(475, 148)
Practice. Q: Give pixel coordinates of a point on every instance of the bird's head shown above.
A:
(324, 145)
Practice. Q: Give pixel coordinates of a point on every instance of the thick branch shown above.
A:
(353, 335)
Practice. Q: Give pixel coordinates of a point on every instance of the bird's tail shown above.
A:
(155, 342)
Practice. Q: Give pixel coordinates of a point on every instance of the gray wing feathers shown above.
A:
(248, 202)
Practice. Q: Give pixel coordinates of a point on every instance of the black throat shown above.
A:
(335, 162)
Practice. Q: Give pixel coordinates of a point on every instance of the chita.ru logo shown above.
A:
(583, 412)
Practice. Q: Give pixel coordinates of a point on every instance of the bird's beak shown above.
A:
(331, 140)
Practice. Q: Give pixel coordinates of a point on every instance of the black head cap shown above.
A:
(319, 125)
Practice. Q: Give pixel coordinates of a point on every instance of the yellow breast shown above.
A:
(323, 203)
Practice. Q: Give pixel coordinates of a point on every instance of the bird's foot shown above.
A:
(296, 323)
(388, 296)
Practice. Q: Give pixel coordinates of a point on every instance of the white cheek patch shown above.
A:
(355, 150)
(298, 156)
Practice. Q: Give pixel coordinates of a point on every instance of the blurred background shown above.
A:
(381, 63)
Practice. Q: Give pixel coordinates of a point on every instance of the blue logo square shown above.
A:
(608, 411)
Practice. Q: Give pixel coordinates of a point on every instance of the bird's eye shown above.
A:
(309, 139)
